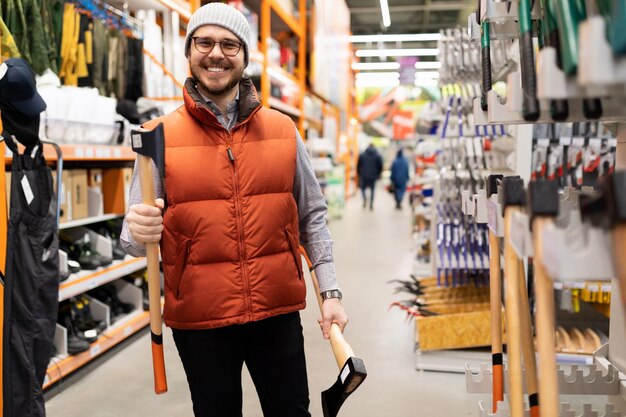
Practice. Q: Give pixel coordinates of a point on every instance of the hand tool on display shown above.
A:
(570, 13)
(530, 109)
(607, 207)
(495, 297)
(352, 370)
(485, 52)
(150, 147)
(559, 109)
(544, 207)
(513, 199)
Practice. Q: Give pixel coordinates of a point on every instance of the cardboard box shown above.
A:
(94, 178)
(78, 194)
(116, 189)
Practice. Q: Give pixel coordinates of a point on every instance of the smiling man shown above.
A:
(241, 197)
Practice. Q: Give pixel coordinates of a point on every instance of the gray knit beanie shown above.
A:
(223, 15)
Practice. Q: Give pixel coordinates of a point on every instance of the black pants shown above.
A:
(273, 351)
(364, 186)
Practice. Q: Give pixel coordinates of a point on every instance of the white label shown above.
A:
(28, 192)
(80, 152)
(613, 142)
(565, 141)
(137, 141)
(89, 153)
(578, 141)
(95, 350)
(543, 142)
(128, 330)
(344, 373)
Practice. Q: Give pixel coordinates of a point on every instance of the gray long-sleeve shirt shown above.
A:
(314, 234)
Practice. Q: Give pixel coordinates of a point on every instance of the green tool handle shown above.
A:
(569, 14)
(618, 34)
(486, 64)
(530, 110)
(559, 109)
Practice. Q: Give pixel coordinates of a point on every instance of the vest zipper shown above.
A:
(242, 250)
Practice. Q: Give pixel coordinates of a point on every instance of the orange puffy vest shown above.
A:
(230, 241)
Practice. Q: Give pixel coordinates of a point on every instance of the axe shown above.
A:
(352, 370)
(150, 146)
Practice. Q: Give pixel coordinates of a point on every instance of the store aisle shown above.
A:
(371, 248)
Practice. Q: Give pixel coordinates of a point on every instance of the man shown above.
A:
(399, 177)
(369, 167)
(241, 196)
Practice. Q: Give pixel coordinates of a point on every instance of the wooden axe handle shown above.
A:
(341, 349)
(545, 328)
(513, 325)
(154, 281)
(619, 260)
(528, 347)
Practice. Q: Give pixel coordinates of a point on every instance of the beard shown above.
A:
(235, 78)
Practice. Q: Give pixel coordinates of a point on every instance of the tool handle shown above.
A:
(154, 281)
(545, 325)
(486, 64)
(341, 349)
(513, 334)
(619, 243)
(495, 298)
(530, 110)
(569, 15)
(528, 347)
(592, 108)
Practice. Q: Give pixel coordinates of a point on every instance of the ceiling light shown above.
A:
(397, 52)
(364, 66)
(426, 83)
(427, 65)
(418, 37)
(384, 9)
(378, 83)
(427, 75)
(377, 75)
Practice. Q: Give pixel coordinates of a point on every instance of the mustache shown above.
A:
(222, 63)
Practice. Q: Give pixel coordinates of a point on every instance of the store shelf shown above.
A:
(86, 280)
(281, 20)
(61, 367)
(282, 76)
(85, 153)
(283, 107)
(88, 220)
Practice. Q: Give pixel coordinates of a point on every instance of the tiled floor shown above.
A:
(371, 248)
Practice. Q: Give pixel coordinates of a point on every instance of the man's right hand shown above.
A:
(145, 222)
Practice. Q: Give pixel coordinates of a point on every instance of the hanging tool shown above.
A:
(485, 52)
(352, 370)
(530, 109)
(559, 109)
(544, 207)
(150, 147)
(495, 298)
(513, 199)
(607, 208)
(570, 13)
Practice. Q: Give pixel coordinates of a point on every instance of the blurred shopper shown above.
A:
(399, 177)
(369, 168)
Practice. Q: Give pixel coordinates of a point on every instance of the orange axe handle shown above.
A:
(154, 281)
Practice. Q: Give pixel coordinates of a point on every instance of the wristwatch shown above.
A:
(331, 294)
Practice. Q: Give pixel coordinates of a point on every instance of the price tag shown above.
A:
(565, 141)
(578, 141)
(128, 330)
(117, 153)
(79, 151)
(613, 142)
(89, 152)
(543, 142)
(100, 153)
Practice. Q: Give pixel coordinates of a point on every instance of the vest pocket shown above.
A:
(295, 253)
(186, 248)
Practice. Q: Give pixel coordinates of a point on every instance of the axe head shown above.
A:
(351, 376)
(151, 143)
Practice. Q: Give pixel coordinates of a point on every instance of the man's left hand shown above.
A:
(332, 312)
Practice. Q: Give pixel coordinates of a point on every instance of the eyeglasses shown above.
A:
(206, 45)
